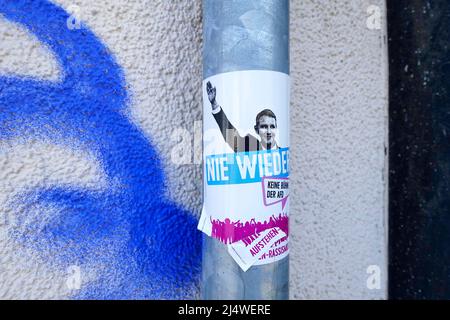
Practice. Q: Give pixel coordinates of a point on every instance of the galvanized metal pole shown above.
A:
(242, 35)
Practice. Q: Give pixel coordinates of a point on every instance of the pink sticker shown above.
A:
(246, 253)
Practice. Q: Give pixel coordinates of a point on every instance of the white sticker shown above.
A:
(246, 252)
(246, 162)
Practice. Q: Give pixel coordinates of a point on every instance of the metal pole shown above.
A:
(243, 35)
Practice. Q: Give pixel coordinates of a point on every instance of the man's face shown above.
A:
(266, 130)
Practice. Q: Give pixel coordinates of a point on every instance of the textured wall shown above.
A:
(89, 116)
(339, 110)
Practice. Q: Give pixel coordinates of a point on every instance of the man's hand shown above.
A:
(211, 95)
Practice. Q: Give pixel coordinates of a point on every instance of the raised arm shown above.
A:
(230, 134)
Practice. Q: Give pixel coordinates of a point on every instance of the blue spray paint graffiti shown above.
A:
(87, 109)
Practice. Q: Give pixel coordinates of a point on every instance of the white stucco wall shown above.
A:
(339, 109)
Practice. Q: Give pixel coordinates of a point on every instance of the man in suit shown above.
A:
(265, 127)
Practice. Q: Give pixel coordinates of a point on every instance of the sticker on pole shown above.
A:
(275, 190)
(246, 164)
(246, 252)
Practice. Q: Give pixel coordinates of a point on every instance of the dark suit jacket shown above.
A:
(233, 138)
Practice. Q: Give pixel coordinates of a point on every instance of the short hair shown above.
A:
(265, 112)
